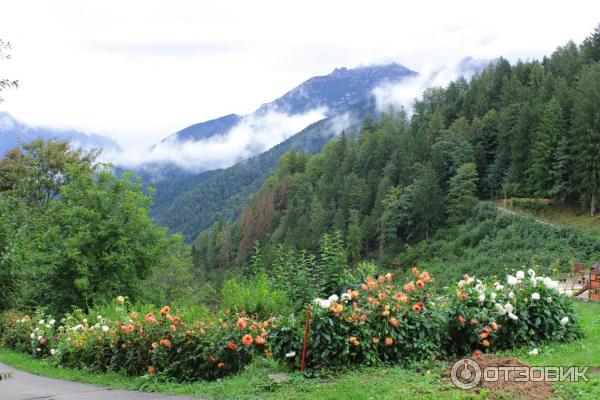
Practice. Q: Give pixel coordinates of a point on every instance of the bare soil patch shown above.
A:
(509, 386)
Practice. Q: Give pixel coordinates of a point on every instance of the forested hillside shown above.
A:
(529, 129)
(193, 204)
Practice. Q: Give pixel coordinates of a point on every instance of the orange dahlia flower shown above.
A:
(247, 340)
(150, 318)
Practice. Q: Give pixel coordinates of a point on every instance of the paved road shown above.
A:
(25, 386)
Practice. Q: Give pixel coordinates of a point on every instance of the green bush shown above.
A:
(379, 321)
(255, 296)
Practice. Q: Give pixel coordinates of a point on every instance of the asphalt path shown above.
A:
(25, 386)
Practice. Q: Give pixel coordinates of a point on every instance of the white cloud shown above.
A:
(139, 70)
(253, 135)
(404, 93)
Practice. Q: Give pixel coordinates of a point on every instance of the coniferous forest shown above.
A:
(528, 130)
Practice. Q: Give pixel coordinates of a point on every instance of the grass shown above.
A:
(418, 382)
(567, 215)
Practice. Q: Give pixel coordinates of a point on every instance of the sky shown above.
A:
(137, 71)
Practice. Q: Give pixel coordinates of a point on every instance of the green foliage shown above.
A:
(490, 242)
(461, 195)
(73, 234)
(544, 151)
(503, 315)
(586, 125)
(333, 264)
(255, 295)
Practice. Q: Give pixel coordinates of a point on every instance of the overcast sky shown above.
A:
(140, 70)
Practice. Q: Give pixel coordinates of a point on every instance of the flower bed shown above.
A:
(379, 321)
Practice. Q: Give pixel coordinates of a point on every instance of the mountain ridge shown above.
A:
(13, 133)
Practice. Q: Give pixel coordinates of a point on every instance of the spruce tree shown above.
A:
(545, 145)
(461, 195)
(586, 129)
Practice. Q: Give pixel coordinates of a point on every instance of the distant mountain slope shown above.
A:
(337, 91)
(190, 205)
(13, 133)
(205, 130)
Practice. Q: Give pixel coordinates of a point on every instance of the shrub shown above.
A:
(255, 296)
(524, 310)
(372, 323)
(379, 321)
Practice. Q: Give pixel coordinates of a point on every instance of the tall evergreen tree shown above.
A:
(586, 128)
(461, 195)
(545, 146)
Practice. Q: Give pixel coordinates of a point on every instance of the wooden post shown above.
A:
(305, 339)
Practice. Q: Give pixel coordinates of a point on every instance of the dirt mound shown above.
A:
(502, 386)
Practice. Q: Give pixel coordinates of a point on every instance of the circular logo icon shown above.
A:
(465, 374)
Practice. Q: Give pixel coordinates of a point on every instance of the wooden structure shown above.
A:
(593, 284)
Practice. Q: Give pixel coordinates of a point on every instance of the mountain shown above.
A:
(189, 151)
(205, 130)
(13, 133)
(195, 203)
(336, 92)
(339, 90)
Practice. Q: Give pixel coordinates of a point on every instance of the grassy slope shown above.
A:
(421, 381)
(565, 215)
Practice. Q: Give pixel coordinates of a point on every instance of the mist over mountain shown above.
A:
(13, 133)
(227, 140)
(191, 203)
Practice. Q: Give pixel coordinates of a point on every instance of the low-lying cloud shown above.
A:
(403, 94)
(253, 135)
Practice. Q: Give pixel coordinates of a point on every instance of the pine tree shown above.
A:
(586, 128)
(354, 236)
(545, 144)
(461, 195)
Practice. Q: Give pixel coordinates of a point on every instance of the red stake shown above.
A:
(305, 339)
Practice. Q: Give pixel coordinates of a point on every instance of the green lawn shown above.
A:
(419, 382)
